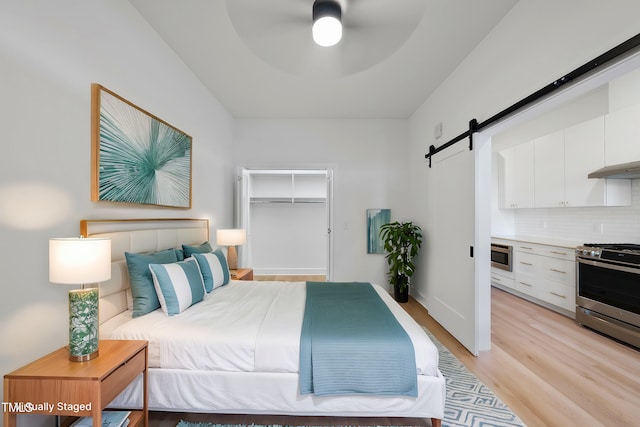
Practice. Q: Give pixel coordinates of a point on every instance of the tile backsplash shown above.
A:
(601, 224)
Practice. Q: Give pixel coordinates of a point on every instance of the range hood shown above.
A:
(621, 171)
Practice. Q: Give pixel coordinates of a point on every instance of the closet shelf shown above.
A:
(287, 200)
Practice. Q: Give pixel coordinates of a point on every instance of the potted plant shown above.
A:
(402, 240)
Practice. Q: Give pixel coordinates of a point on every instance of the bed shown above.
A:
(250, 363)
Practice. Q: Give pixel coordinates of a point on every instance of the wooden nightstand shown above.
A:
(77, 389)
(243, 274)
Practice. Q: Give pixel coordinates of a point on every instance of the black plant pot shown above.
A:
(401, 293)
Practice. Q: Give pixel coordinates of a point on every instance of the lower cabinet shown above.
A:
(502, 278)
(543, 274)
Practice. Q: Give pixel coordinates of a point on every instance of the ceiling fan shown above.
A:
(280, 33)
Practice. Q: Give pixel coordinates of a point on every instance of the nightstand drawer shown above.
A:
(123, 375)
(79, 388)
(242, 274)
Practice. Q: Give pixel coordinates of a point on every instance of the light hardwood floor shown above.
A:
(548, 369)
(544, 366)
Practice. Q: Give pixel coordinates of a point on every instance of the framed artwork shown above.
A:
(136, 157)
(375, 219)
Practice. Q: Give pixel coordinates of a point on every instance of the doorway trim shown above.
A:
(482, 139)
(243, 203)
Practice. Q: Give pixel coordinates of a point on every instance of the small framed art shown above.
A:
(375, 219)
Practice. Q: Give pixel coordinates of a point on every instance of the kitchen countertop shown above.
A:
(540, 240)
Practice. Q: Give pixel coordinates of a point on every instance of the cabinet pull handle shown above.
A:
(558, 295)
(558, 271)
(558, 253)
(526, 284)
(525, 263)
(526, 247)
(495, 278)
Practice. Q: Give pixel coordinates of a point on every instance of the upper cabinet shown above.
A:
(584, 153)
(622, 134)
(517, 176)
(549, 175)
(563, 160)
(551, 171)
(288, 186)
(584, 150)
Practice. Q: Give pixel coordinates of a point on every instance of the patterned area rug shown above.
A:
(469, 402)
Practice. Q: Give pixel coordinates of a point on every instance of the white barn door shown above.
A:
(452, 228)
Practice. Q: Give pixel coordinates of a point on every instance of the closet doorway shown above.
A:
(288, 217)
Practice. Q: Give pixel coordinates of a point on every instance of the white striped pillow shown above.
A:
(214, 268)
(179, 285)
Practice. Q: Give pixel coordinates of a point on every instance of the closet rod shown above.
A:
(288, 202)
(614, 53)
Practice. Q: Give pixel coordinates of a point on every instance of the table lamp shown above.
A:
(81, 261)
(231, 237)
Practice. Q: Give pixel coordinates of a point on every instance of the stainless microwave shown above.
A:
(502, 256)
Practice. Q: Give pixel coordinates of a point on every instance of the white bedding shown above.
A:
(244, 327)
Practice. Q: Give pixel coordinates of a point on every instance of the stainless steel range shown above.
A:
(608, 289)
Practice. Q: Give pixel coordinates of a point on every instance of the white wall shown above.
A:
(537, 42)
(288, 238)
(595, 224)
(368, 160)
(50, 53)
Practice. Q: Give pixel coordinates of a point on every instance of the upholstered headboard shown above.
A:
(137, 235)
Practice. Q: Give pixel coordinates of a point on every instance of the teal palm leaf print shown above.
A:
(142, 160)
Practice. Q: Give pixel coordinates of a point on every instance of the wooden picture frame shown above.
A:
(135, 156)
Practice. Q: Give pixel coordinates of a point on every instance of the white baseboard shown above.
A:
(310, 271)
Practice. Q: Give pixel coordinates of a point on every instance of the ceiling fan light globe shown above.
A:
(327, 31)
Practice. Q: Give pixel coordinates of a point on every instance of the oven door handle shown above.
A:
(608, 265)
(502, 249)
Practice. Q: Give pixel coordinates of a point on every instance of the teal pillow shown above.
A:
(145, 299)
(199, 249)
(178, 285)
(214, 269)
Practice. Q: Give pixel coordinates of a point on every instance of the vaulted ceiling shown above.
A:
(258, 58)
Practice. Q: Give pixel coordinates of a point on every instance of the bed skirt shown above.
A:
(175, 390)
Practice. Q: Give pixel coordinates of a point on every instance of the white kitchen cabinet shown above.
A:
(517, 175)
(622, 136)
(584, 153)
(561, 163)
(584, 149)
(549, 171)
(502, 280)
(528, 284)
(545, 274)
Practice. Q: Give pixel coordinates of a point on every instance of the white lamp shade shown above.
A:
(231, 237)
(327, 31)
(79, 261)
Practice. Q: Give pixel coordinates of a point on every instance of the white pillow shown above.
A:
(214, 268)
(179, 285)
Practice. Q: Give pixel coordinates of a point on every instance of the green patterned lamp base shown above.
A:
(83, 324)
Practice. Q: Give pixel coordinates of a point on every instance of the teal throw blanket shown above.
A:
(351, 343)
